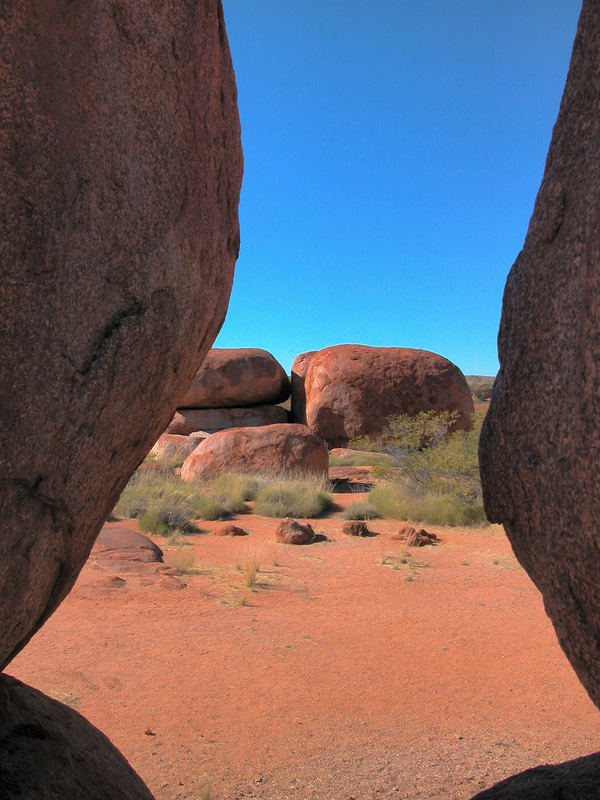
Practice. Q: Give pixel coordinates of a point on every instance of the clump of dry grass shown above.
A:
(251, 569)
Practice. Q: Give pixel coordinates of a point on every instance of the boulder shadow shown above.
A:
(572, 780)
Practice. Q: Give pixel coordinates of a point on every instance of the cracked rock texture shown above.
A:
(50, 752)
(540, 444)
(120, 179)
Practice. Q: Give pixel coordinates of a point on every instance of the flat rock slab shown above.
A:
(117, 541)
(190, 420)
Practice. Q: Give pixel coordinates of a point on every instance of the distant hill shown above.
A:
(481, 386)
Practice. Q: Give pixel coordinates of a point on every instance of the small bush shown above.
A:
(366, 460)
(163, 503)
(396, 502)
(232, 490)
(292, 499)
(361, 511)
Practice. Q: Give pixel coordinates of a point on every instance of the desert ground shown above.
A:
(343, 673)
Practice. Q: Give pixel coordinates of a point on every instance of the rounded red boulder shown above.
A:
(272, 448)
(233, 377)
(352, 390)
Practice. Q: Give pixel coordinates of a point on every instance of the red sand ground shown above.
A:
(339, 677)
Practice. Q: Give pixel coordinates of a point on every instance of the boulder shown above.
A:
(170, 445)
(352, 390)
(412, 537)
(356, 527)
(299, 368)
(244, 376)
(118, 542)
(120, 174)
(291, 532)
(272, 448)
(189, 420)
(541, 438)
(49, 751)
(230, 530)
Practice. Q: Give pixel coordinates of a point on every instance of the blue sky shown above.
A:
(393, 151)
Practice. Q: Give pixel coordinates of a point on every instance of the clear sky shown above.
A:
(393, 151)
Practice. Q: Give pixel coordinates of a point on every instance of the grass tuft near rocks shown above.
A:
(165, 505)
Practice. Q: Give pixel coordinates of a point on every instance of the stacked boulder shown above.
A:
(234, 388)
(352, 390)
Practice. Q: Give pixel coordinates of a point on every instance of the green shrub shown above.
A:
(356, 460)
(395, 501)
(361, 511)
(163, 503)
(292, 498)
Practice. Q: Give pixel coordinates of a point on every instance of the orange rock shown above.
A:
(299, 369)
(291, 532)
(237, 377)
(351, 390)
(272, 448)
(355, 527)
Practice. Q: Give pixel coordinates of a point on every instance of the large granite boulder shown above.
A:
(272, 448)
(299, 369)
(352, 390)
(237, 377)
(189, 420)
(50, 752)
(540, 444)
(121, 170)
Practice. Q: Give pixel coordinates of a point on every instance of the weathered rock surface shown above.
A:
(351, 390)
(299, 369)
(169, 445)
(50, 752)
(189, 420)
(119, 542)
(121, 169)
(237, 377)
(272, 448)
(291, 532)
(356, 527)
(541, 439)
(230, 530)
(415, 537)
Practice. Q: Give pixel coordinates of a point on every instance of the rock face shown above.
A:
(299, 369)
(351, 390)
(189, 420)
(49, 751)
(120, 178)
(540, 442)
(270, 448)
(237, 377)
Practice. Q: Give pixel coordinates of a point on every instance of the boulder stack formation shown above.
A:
(233, 388)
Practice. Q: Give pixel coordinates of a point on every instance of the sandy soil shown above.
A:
(337, 677)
